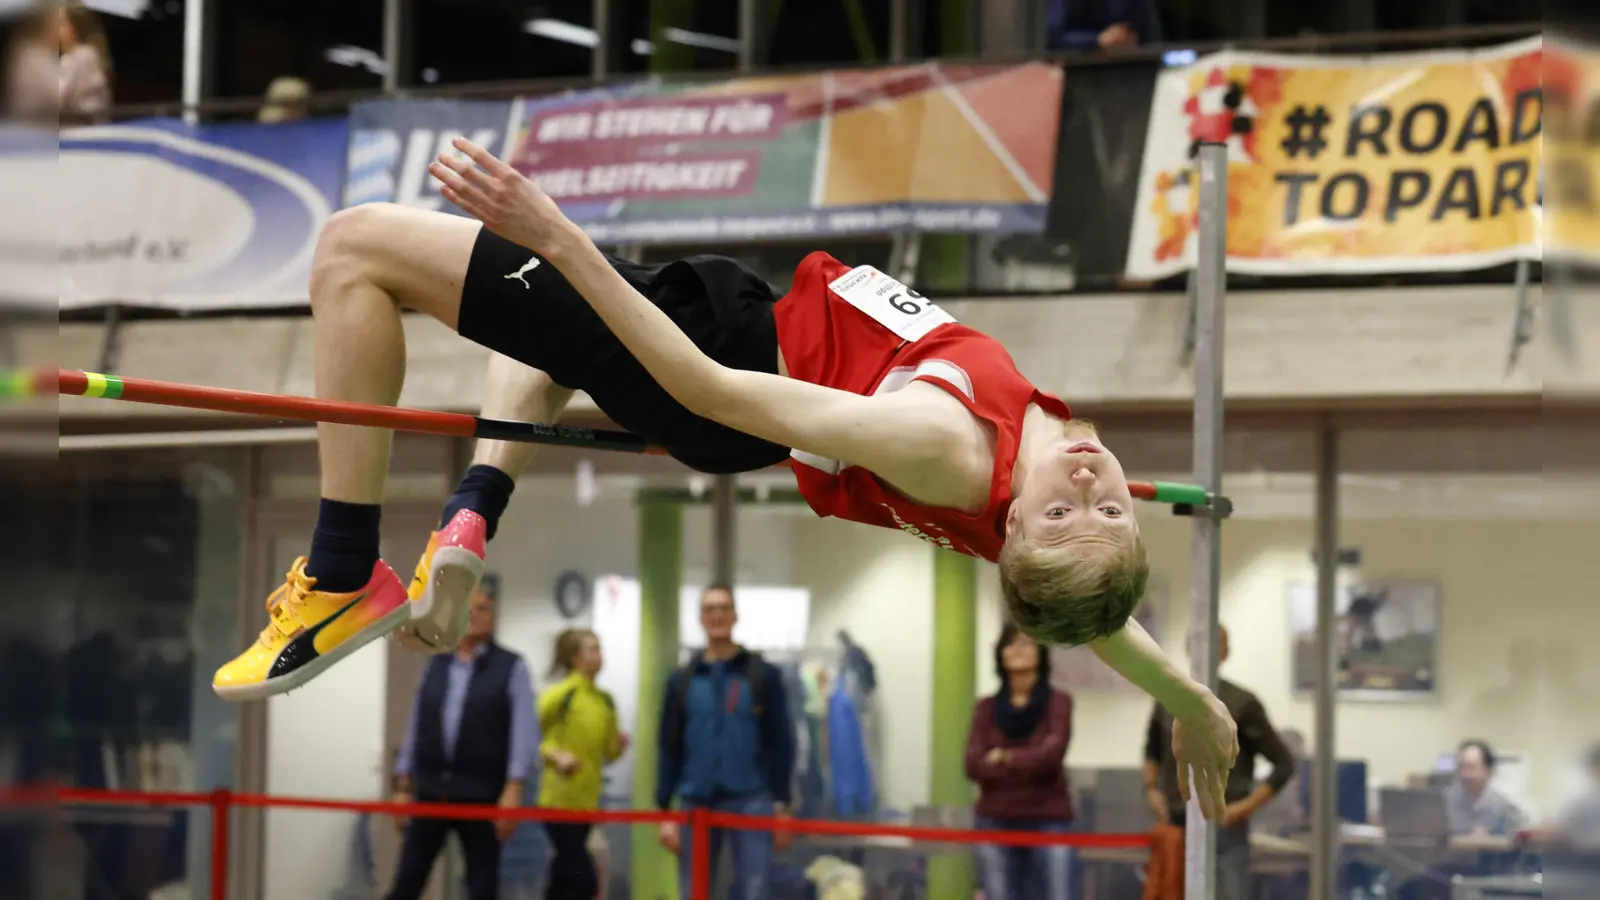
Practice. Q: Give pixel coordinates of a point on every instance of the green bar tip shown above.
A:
(1173, 492)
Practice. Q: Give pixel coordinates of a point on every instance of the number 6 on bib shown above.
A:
(906, 313)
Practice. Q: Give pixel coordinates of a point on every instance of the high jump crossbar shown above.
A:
(1186, 499)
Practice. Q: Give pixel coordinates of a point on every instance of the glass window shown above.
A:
(458, 42)
(146, 53)
(830, 32)
(331, 46)
(693, 36)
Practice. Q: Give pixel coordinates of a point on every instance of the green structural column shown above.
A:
(670, 56)
(655, 872)
(955, 684)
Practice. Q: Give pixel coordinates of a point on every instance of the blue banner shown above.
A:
(392, 143)
(160, 213)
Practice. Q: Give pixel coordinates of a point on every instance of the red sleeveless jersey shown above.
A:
(861, 331)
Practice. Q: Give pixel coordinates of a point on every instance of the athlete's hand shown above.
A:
(1206, 743)
(503, 199)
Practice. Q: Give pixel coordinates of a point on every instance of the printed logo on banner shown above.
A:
(167, 215)
(1406, 162)
(393, 142)
(382, 169)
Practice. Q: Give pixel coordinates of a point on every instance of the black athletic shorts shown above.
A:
(535, 316)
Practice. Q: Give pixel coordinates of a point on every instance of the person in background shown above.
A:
(1087, 25)
(473, 739)
(85, 65)
(1257, 738)
(581, 738)
(287, 100)
(60, 67)
(1580, 820)
(1016, 754)
(1475, 808)
(726, 744)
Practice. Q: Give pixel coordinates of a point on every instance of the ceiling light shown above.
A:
(565, 32)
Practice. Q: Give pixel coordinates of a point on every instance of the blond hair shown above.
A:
(1067, 595)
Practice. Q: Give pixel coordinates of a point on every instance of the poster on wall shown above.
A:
(1386, 638)
(1077, 669)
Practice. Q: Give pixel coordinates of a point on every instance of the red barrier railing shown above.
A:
(222, 802)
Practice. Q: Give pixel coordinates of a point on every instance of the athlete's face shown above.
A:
(1075, 492)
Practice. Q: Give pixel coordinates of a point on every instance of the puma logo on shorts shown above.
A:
(527, 267)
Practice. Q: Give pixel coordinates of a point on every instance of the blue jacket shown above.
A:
(727, 751)
(847, 755)
(1076, 24)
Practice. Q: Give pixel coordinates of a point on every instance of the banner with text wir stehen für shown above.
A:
(929, 147)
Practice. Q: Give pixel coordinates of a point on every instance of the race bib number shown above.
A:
(893, 305)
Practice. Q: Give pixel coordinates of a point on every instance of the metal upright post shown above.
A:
(899, 30)
(195, 58)
(600, 61)
(724, 524)
(1325, 773)
(749, 34)
(394, 24)
(1205, 585)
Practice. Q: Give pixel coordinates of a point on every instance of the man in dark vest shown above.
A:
(473, 739)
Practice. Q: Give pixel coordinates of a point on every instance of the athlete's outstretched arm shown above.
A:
(875, 432)
(1204, 738)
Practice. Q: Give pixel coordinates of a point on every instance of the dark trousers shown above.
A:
(425, 838)
(572, 874)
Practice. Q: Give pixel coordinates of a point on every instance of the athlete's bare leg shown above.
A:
(372, 261)
(519, 392)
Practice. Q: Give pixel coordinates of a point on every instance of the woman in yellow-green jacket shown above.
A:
(581, 737)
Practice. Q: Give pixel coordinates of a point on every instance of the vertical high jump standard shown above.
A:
(1205, 580)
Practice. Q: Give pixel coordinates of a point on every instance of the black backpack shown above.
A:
(755, 674)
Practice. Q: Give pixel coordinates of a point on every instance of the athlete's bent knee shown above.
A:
(347, 251)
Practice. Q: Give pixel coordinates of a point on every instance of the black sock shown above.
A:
(344, 546)
(485, 490)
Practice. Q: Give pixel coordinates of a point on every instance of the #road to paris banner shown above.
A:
(1386, 163)
(165, 214)
(929, 147)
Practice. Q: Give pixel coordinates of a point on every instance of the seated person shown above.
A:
(1475, 807)
(1085, 25)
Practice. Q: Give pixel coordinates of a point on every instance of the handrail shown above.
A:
(331, 100)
